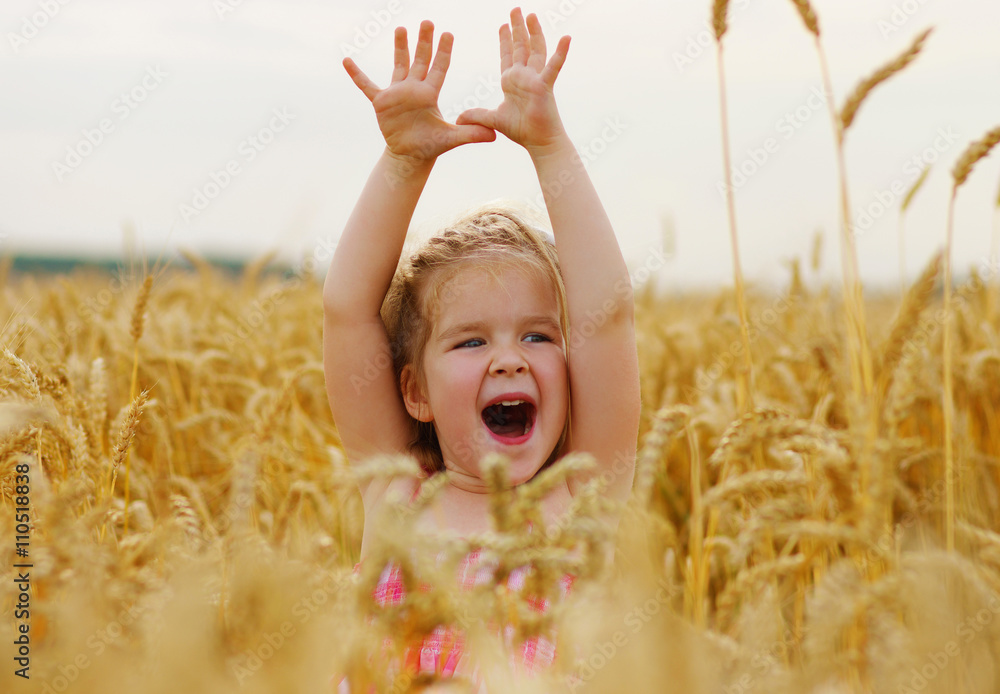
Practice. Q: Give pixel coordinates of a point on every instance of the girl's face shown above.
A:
(494, 343)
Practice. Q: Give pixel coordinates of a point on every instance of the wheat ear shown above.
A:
(126, 435)
(808, 16)
(720, 8)
(866, 85)
(976, 151)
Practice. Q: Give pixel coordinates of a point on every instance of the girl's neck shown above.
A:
(458, 510)
(462, 512)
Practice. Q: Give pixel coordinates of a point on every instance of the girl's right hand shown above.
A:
(407, 110)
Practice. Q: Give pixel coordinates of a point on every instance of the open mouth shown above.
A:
(511, 420)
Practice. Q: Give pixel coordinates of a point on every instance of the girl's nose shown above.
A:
(508, 360)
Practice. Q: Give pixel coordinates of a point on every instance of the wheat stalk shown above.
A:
(745, 394)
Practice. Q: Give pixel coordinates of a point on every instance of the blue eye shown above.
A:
(542, 338)
(468, 343)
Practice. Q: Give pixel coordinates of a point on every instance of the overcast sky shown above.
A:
(230, 127)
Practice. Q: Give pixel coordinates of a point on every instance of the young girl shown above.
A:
(488, 332)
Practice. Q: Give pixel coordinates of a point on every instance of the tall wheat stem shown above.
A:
(862, 380)
(745, 392)
(136, 330)
(861, 366)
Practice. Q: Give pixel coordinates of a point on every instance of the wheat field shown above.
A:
(194, 524)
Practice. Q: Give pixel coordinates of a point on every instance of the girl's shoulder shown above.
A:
(390, 490)
(383, 495)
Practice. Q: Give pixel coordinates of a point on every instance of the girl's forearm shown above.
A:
(369, 248)
(593, 268)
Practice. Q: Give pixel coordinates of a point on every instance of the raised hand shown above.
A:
(528, 114)
(407, 110)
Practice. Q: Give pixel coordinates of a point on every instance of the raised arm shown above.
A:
(360, 382)
(603, 364)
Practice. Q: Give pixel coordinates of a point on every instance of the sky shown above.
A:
(229, 127)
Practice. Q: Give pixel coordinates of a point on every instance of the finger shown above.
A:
(478, 116)
(506, 48)
(520, 37)
(401, 57)
(555, 63)
(368, 87)
(536, 42)
(466, 134)
(422, 55)
(441, 61)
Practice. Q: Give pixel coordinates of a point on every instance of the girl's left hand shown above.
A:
(528, 114)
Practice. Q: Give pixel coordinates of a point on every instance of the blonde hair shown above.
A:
(491, 238)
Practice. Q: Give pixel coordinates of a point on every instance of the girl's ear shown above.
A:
(413, 396)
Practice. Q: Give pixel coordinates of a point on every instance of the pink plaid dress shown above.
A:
(442, 652)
